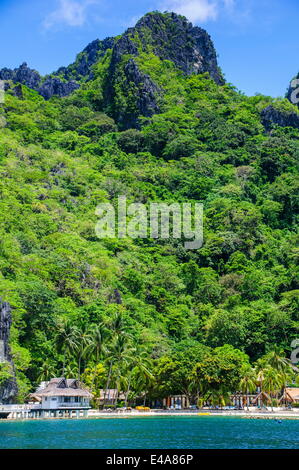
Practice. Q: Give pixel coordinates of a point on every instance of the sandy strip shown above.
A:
(277, 414)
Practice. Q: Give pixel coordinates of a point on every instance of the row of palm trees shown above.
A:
(271, 375)
(109, 343)
(128, 368)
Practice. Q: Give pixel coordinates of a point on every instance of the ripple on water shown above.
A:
(196, 432)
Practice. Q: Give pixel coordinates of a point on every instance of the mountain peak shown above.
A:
(172, 37)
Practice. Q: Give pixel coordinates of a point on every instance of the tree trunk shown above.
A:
(128, 391)
(107, 384)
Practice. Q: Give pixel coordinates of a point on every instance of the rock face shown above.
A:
(146, 93)
(46, 87)
(8, 389)
(272, 116)
(81, 68)
(55, 87)
(173, 37)
(293, 91)
(170, 37)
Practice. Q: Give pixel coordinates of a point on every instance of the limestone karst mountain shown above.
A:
(169, 36)
(146, 116)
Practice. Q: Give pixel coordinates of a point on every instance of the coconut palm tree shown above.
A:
(71, 369)
(99, 335)
(141, 375)
(278, 361)
(272, 382)
(118, 342)
(119, 353)
(248, 382)
(66, 339)
(46, 371)
(123, 352)
(84, 340)
(140, 370)
(219, 397)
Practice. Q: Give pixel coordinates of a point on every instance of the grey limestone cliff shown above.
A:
(8, 388)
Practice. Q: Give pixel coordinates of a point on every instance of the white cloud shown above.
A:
(70, 13)
(198, 10)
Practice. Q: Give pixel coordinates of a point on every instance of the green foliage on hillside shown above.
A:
(151, 312)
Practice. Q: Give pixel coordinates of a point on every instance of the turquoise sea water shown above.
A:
(197, 432)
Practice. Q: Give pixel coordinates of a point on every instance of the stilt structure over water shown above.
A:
(59, 398)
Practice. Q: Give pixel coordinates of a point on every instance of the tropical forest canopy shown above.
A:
(146, 315)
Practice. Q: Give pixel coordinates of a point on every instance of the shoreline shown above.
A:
(206, 413)
(286, 415)
(245, 414)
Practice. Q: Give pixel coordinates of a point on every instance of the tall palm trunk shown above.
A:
(107, 384)
(128, 391)
(79, 367)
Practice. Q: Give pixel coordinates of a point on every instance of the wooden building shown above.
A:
(290, 396)
(62, 394)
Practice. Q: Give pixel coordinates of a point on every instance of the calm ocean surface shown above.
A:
(198, 432)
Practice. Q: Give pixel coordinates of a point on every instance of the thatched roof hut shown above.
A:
(290, 395)
(61, 387)
(263, 397)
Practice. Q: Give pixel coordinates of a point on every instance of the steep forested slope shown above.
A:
(153, 122)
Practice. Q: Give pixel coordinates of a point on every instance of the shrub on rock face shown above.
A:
(282, 116)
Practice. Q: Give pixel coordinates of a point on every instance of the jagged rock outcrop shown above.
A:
(55, 87)
(31, 78)
(169, 36)
(146, 93)
(81, 68)
(293, 91)
(8, 389)
(174, 38)
(272, 116)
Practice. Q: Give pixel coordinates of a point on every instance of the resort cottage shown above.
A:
(62, 395)
(290, 396)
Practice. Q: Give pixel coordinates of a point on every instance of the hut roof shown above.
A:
(290, 394)
(263, 396)
(61, 387)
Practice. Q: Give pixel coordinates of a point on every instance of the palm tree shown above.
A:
(278, 361)
(281, 364)
(272, 381)
(83, 343)
(123, 352)
(120, 353)
(219, 397)
(118, 339)
(248, 383)
(99, 335)
(144, 378)
(71, 369)
(66, 339)
(140, 370)
(47, 371)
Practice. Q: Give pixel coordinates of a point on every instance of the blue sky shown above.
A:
(257, 40)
